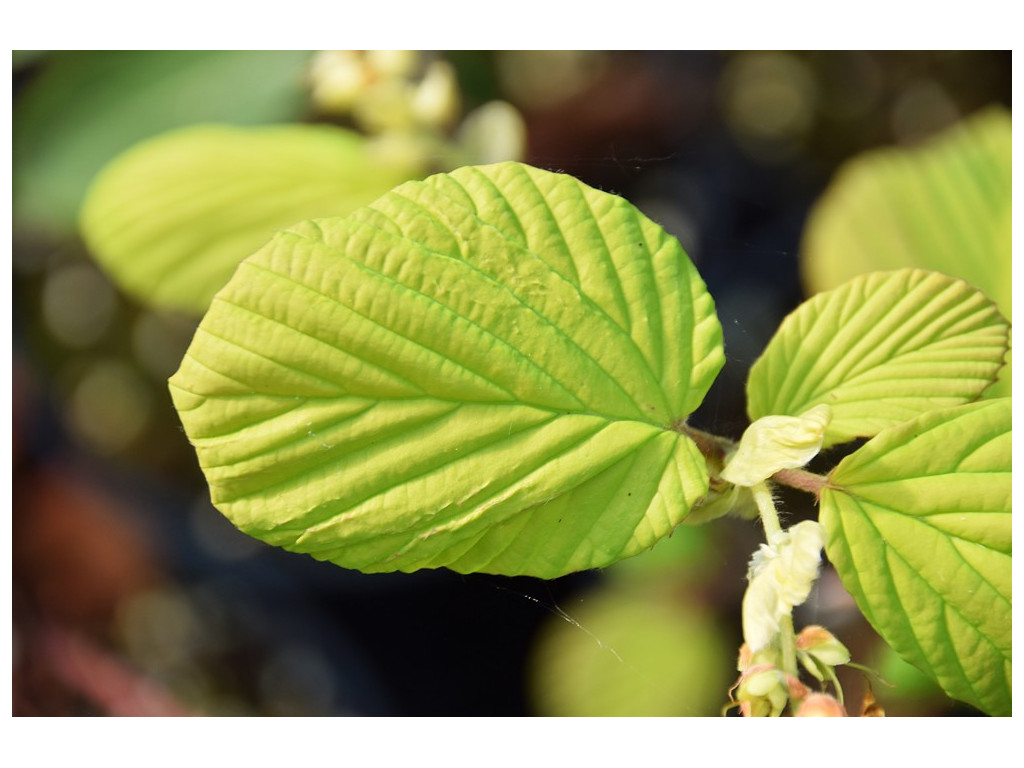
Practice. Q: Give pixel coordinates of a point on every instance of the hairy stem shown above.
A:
(766, 506)
(802, 480)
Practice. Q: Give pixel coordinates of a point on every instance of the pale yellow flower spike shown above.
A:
(781, 576)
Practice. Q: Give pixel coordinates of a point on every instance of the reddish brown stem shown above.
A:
(802, 480)
(712, 446)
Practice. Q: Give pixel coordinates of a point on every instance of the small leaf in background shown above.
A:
(480, 371)
(918, 528)
(85, 107)
(632, 649)
(171, 218)
(944, 206)
(879, 350)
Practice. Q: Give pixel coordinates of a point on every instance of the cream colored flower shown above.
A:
(492, 133)
(781, 575)
(777, 442)
(338, 79)
(435, 101)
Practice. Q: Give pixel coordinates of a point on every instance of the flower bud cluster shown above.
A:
(764, 690)
(409, 103)
(385, 90)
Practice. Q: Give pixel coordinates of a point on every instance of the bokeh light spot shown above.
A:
(78, 304)
(769, 102)
(109, 406)
(922, 109)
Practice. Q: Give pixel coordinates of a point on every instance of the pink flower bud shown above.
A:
(820, 705)
(822, 644)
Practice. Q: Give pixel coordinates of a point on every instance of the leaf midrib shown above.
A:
(519, 300)
(886, 547)
(574, 281)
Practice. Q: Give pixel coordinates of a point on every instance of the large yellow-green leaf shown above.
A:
(879, 350)
(480, 371)
(944, 206)
(171, 218)
(919, 530)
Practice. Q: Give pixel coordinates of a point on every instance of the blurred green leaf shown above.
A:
(906, 682)
(171, 218)
(84, 107)
(944, 206)
(686, 550)
(480, 371)
(879, 350)
(918, 525)
(632, 649)
(25, 58)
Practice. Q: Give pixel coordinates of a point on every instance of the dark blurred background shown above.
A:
(132, 595)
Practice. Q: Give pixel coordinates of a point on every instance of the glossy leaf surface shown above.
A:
(479, 371)
(879, 350)
(918, 525)
(171, 218)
